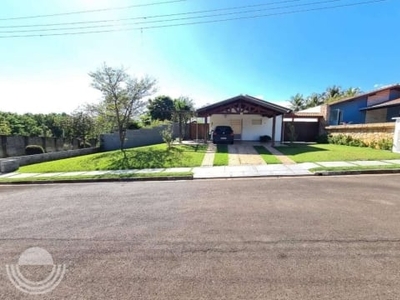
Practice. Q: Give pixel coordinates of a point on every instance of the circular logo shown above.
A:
(35, 256)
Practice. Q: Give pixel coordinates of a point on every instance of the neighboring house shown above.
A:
(308, 124)
(374, 107)
(248, 116)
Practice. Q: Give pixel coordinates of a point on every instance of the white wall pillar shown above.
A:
(396, 136)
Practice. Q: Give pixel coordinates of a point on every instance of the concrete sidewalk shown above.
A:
(300, 169)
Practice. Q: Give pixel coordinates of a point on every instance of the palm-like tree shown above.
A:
(351, 92)
(333, 93)
(297, 102)
(314, 100)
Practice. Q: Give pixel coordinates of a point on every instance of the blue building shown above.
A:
(378, 106)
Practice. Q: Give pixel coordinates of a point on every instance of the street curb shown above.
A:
(257, 176)
(357, 172)
(161, 178)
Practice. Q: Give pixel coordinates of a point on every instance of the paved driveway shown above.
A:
(244, 154)
(225, 239)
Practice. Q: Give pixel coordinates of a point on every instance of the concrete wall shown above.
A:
(15, 145)
(135, 138)
(368, 133)
(250, 131)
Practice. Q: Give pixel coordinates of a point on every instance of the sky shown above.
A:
(273, 57)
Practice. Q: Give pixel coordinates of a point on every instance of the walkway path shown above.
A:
(208, 159)
(279, 155)
(244, 154)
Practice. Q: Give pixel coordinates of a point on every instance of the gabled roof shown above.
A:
(243, 104)
(388, 87)
(390, 103)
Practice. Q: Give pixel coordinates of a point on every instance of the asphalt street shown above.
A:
(267, 238)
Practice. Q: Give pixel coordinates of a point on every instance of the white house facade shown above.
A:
(249, 117)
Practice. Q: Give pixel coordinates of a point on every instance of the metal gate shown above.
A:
(304, 131)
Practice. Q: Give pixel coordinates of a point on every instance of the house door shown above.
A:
(236, 125)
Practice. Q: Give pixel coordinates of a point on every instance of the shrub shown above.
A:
(84, 145)
(347, 140)
(322, 139)
(373, 144)
(132, 125)
(265, 138)
(385, 144)
(34, 149)
(292, 133)
(167, 135)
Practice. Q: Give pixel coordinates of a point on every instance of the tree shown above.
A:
(161, 108)
(122, 95)
(314, 100)
(351, 92)
(297, 102)
(333, 93)
(82, 125)
(4, 126)
(183, 111)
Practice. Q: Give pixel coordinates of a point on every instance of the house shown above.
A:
(377, 106)
(248, 116)
(308, 124)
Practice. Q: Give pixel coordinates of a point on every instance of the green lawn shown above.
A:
(156, 156)
(221, 157)
(268, 157)
(330, 152)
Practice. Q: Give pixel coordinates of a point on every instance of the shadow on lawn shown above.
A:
(143, 159)
(296, 149)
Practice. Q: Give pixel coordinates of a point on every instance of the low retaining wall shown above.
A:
(8, 164)
(38, 158)
(368, 133)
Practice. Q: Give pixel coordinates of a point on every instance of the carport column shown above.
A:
(273, 130)
(205, 129)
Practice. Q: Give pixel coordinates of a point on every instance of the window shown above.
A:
(256, 122)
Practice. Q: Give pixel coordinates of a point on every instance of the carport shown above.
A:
(248, 116)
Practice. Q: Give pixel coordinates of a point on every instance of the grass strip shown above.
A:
(267, 156)
(99, 177)
(221, 157)
(330, 152)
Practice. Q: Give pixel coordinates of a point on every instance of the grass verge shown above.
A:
(156, 156)
(221, 157)
(99, 177)
(330, 152)
(267, 156)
